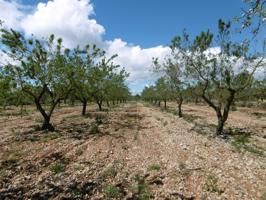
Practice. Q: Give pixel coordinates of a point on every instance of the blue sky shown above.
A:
(136, 30)
(154, 22)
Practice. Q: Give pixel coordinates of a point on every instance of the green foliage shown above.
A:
(240, 141)
(112, 192)
(211, 184)
(143, 192)
(41, 70)
(45, 73)
(94, 129)
(155, 167)
(57, 168)
(110, 172)
(213, 73)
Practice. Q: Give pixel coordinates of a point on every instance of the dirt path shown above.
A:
(194, 159)
(138, 153)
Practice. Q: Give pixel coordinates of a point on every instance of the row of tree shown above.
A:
(44, 73)
(211, 67)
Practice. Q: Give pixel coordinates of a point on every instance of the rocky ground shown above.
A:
(134, 151)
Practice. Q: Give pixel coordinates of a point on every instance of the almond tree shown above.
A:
(40, 68)
(118, 90)
(102, 76)
(83, 62)
(174, 73)
(217, 72)
(163, 90)
(148, 94)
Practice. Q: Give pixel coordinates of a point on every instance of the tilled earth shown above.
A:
(130, 152)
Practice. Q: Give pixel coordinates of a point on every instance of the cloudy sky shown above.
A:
(136, 30)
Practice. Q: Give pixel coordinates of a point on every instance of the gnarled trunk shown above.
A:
(221, 116)
(84, 107)
(46, 123)
(220, 126)
(99, 103)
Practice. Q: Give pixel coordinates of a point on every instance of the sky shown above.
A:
(136, 30)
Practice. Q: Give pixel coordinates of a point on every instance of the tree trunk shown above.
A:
(220, 126)
(164, 104)
(159, 103)
(180, 106)
(84, 107)
(99, 105)
(107, 103)
(46, 117)
(47, 125)
(113, 102)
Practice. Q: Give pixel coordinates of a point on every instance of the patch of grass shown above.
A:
(112, 192)
(140, 190)
(211, 184)
(94, 129)
(239, 141)
(110, 172)
(79, 152)
(143, 192)
(57, 168)
(254, 150)
(155, 167)
(50, 136)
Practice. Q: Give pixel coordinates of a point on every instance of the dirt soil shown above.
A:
(133, 152)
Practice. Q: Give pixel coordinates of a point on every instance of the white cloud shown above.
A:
(137, 61)
(11, 13)
(68, 19)
(213, 51)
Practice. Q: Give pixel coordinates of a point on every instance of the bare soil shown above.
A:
(133, 151)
